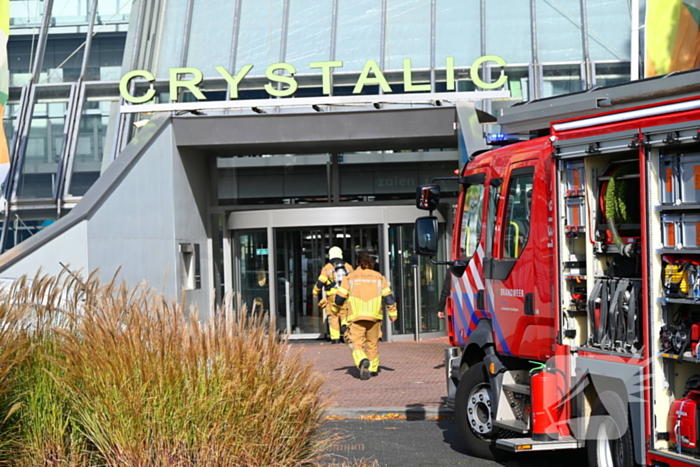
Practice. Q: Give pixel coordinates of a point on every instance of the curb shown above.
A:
(410, 413)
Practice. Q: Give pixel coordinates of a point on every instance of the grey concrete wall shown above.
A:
(190, 195)
(133, 229)
(149, 201)
(70, 248)
(161, 203)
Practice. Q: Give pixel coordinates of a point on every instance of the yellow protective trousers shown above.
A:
(335, 320)
(364, 336)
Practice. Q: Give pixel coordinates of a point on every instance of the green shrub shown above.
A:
(98, 374)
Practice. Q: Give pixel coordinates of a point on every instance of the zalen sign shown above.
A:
(371, 74)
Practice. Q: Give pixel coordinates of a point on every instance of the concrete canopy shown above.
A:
(335, 132)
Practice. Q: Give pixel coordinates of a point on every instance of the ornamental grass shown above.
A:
(95, 374)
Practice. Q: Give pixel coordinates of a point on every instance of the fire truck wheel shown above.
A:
(609, 438)
(474, 413)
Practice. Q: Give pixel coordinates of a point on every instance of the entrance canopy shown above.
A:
(416, 128)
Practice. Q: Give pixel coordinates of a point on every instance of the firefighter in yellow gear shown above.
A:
(364, 290)
(328, 281)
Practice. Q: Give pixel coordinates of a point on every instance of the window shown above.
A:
(471, 219)
(517, 224)
(494, 194)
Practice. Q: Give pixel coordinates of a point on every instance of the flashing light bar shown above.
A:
(629, 115)
(501, 139)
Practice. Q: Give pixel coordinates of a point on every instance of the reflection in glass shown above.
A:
(402, 282)
(517, 221)
(260, 35)
(24, 225)
(608, 29)
(277, 179)
(559, 37)
(426, 235)
(255, 271)
(20, 58)
(518, 83)
(210, 36)
(308, 34)
(10, 121)
(70, 12)
(27, 13)
(508, 30)
(62, 60)
(359, 33)
(363, 181)
(43, 150)
(106, 56)
(172, 33)
(408, 33)
(114, 11)
(608, 74)
(300, 257)
(457, 18)
(561, 79)
(472, 212)
(90, 147)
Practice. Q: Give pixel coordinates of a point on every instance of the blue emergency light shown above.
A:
(501, 139)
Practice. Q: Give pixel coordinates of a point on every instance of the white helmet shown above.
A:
(335, 252)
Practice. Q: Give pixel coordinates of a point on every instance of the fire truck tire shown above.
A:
(474, 413)
(607, 446)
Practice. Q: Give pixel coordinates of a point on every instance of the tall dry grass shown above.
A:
(100, 374)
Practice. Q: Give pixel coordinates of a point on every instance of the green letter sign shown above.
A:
(408, 85)
(474, 72)
(326, 73)
(190, 84)
(364, 79)
(124, 86)
(233, 82)
(288, 80)
(283, 84)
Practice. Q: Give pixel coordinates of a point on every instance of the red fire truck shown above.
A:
(574, 312)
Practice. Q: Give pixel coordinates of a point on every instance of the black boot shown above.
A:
(364, 369)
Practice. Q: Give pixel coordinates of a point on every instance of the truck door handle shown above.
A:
(529, 304)
(480, 300)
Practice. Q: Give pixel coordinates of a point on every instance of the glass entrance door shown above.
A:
(430, 278)
(300, 255)
(254, 282)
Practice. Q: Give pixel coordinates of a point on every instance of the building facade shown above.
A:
(249, 198)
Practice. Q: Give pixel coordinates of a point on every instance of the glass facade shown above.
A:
(65, 127)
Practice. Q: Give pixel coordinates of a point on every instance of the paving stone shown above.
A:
(412, 375)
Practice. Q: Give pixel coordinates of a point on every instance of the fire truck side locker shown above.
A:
(607, 348)
(674, 310)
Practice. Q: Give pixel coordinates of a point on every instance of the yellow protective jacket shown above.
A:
(364, 290)
(327, 278)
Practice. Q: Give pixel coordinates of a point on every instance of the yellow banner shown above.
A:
(672, 36)
(4, 83)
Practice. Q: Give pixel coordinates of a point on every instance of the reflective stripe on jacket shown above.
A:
(364, 290)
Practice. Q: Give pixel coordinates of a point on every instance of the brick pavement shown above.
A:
(412, 375)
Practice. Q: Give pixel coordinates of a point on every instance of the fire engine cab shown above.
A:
(574, 311)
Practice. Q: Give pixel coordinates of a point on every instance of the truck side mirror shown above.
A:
(458, 267)
(426, 238)
(427, 197)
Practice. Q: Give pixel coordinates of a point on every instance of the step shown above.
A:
(528, 444)
(517, 426)
(519, 388)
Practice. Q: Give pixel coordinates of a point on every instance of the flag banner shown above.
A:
(672, 36)
(4, 87)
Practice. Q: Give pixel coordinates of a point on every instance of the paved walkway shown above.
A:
(411, 380)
